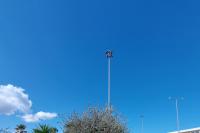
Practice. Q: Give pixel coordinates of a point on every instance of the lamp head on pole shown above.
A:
(176, 98)
(109, 54)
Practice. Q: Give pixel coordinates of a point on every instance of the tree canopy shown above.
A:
(21, 128)
(45, 129)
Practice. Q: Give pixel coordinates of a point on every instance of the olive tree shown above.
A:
(95, 120)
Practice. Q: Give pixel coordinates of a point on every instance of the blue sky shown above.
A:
(54, 50)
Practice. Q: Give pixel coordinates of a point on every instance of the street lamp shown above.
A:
(177, 110)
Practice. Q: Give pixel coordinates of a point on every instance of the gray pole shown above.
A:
(109, 56)
(177, 116)
(142, 123)
(177, 112)
(109, 82)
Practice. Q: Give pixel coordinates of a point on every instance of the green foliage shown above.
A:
(95, 121)
(45, 129)
(21, 128)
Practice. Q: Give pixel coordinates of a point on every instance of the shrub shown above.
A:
(95, 121)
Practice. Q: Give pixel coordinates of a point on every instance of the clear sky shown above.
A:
(54, 50)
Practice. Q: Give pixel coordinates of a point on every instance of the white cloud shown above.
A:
(13, 99)
(39, 116)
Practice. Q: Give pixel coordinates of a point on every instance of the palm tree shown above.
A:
(45, 129)
(20, 128)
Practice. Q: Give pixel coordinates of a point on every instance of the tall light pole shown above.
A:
(177, 111)
(142, 123)
(109, 56)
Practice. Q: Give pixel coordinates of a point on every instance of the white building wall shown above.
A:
(192, 130)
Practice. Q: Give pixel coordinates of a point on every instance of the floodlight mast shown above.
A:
(109, 56)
